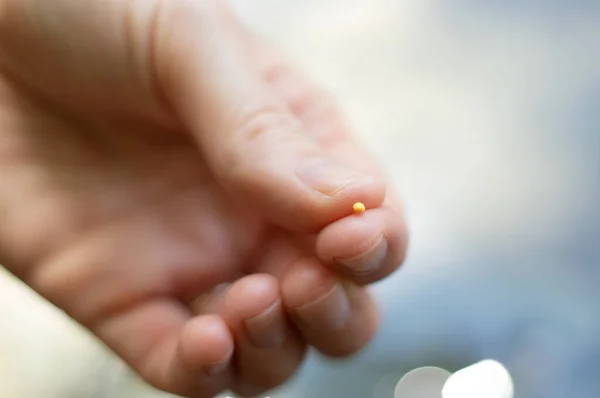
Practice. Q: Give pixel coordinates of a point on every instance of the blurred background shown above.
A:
(486, 115)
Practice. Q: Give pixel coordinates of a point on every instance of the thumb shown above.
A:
(252, 143)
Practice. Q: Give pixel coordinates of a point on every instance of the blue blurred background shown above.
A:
(487, 116)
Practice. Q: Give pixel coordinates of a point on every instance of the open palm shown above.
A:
(176, 189)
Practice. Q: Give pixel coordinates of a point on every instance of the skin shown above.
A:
(171, 184)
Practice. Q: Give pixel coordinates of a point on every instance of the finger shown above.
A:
(169, 349)
(336, 317)
(364, 248)
(255, 315)
(252, 142)
(316, 300)
(268, 350)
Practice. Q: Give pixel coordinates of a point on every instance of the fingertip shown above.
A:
(335, 316)
(306, 281)
(359, 331)
(334, 195)
(366, 247)
(254, 311)
(351, 236)
(206, 344)
(315, 297)
(301, 193)
(251, 296)
(268, 350)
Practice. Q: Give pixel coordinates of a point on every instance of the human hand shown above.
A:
(151, 153)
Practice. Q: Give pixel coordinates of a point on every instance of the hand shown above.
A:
(175, 188)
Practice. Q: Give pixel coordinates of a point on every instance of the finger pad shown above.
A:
(251, 296)
(307, 281)
(205, 340)
(351, 236)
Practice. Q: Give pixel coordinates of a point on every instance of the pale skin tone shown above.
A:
(177, 189)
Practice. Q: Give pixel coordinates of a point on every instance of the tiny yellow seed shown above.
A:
(359, 208)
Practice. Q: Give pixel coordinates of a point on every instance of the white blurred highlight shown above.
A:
(486, 379)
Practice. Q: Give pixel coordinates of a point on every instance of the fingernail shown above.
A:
(268, 328)
(216, 368)
(327, 313)
(368, 261)
(326, 176)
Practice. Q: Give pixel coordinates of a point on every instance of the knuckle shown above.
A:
(264, 121)
(254, 140)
